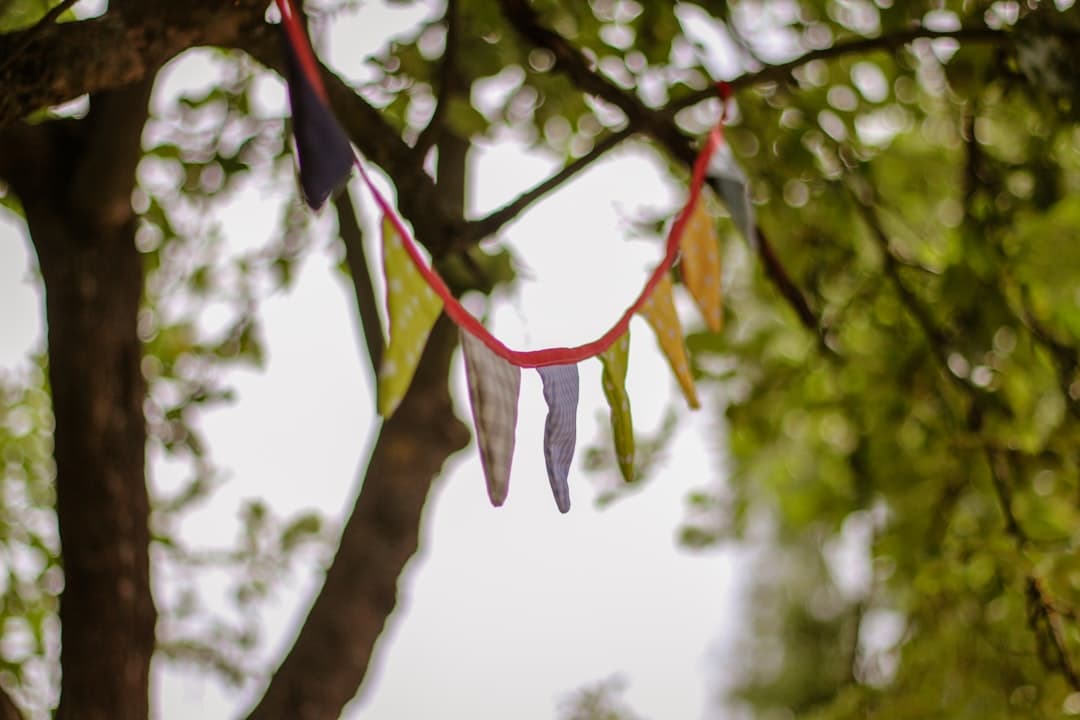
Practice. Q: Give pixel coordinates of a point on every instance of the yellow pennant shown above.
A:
(659, 311)
(700, 263)
(412, 308)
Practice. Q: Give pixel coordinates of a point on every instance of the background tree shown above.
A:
(898, 376)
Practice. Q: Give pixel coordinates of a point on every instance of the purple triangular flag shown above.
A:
(323, 151)
(560, 429)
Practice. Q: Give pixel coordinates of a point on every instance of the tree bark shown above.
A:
(57, 63)
(8, 709)
(75, 179)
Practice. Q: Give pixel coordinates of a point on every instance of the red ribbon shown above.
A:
(453, 308)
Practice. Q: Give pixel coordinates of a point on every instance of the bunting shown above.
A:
(415, 294)
(412, 308)
(494, 385)
(560, 428)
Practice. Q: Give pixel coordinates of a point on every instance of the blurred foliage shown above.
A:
(30, 573)
(597, 702)
(908, 477)
(925, 203)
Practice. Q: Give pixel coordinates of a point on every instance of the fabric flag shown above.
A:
(323, 152)
(614, 381)
(494, 385)
(560, 428)
(700, 263)
(729, 180)
(659, 311)
(412, 308)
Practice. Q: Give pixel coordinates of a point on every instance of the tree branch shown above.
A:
(330, 657)
(893, 41)
(448, 72)
(487, 226)
(935, 336)
(55, 63)
(658, 124)
(356, 258)
(29, 35)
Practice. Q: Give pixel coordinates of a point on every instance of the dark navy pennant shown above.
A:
(560, 429)
(323, 151)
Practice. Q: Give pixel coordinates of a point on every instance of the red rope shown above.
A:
(290, 18)
(461, 316)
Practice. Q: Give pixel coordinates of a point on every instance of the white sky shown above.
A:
(504, 612)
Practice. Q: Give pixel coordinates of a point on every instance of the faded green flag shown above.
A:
(412, 308)
(614, 360)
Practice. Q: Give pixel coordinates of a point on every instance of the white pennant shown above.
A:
(494, 385)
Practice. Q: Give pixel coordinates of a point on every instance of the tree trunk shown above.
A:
(75, 179)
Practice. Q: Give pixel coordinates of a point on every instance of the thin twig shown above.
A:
(356, 258)
(935, 336)
(490, 224)
(448, 72)
(780, 71)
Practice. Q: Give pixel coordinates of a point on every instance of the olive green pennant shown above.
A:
(614, 360)
(659, 311)
(412, 308)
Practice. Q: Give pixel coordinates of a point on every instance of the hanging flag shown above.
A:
(659, 311)
(730, 182)
(494, 385)
(560, 428)
(613, 380)
(701, 264)
(323, 152)
(412, 309)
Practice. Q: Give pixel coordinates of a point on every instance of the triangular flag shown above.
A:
(701, 264)
(560, 428)
(614, 382)
(412, 308)
(323, 152)
(494, 385)
(731, 183)
(659, 311)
